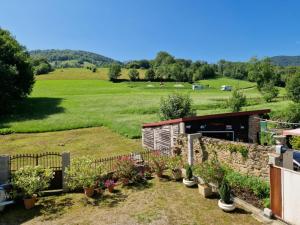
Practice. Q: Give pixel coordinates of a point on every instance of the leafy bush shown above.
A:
(82, 173)
(225, 192)
(211, 171)
(266, 138)
(31, 180)
(114, 72)
(133, 74)
(189, 172)
(16, 72)
(150, 75)
(293, 87)
(176, 106)
(237, 101)
(175, 163)
(158, 163)
(5, 131)
(269, 92)
(295, 142)
(259, 187)
(126, 170)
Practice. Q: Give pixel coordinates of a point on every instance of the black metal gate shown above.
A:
(52, 160)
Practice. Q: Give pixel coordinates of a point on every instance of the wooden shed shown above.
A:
(237, 126)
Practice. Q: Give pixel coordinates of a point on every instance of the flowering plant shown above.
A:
(125, 170)
(158, 163)
(109, 183)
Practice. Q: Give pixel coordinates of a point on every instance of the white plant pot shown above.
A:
(226, 207)
(189, 183)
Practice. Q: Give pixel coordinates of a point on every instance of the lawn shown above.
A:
(159, 203)
(95, 142)
(77, 98)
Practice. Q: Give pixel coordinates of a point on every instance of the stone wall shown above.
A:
(204, 148)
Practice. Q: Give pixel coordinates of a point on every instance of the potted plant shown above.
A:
(189, 180)
(226, 203)
(83, 174)
(30, 181)
(204, 188)
(110, 185)
(175, 165)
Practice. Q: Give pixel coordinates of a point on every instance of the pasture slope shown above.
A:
(78, 98)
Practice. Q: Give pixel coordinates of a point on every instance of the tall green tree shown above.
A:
(16, 73)
(114, 72)
(237, 101)
(134, 74)
(293, 88)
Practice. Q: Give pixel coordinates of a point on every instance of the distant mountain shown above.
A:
(286, 60)
(72, 58)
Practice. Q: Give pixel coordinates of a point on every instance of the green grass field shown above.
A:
(77, 98)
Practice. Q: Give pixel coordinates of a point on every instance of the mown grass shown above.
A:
(64, 102)
(95, 142)
(159, 202)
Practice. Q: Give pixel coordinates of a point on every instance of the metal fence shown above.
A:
(52, 160)
(139, 157)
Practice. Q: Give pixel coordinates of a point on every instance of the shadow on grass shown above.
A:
(32, 109)
(48, 208)
(108, 200)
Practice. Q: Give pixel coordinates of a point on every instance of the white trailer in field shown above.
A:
(226, 88)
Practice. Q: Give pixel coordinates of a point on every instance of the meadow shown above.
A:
(78, 98)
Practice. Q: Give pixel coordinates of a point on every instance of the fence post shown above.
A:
(4, 169)
(65, 161)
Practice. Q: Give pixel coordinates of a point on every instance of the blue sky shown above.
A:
(134, 29)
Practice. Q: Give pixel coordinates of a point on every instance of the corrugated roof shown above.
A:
(212, 116)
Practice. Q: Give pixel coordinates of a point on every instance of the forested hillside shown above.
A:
(286, 60)
(72, 58)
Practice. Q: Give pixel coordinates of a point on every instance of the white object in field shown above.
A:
(226, 88)
(178, 85)
(197, 87)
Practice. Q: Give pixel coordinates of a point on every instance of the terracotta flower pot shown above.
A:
(159, 174)
(111, 189)
(29, 203)
(89, 191)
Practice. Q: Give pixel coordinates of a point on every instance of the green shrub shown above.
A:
(176, 106)
(295, 142)
(259, 187)
(114, 72)
(266, 138)
(267, 203)
(31, 180)
(126, 171)
(269, 92)
(5, 131)
(225, 192)
(158, 163)
(83, 173)
(133, 74)
(210, 171)
(189, 172)
(150, 75)
(237, 101)
(293, 87)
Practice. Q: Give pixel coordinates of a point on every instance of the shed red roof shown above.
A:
(212, 116)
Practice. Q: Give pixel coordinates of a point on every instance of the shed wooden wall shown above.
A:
(160, 138)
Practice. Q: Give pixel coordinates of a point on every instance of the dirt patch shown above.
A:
(248, 196)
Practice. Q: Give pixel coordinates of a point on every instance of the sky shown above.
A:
(137, 29)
